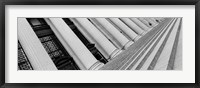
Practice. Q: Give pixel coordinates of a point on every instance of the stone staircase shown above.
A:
(159, 49)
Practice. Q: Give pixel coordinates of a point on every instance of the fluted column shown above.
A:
(151, 21)
(125, 28)
(95, 36)
(139, 23)
(112, 33)
(145, 22)
(33, 48)
(160, 19)
(79, 51)
(154, 20)
(133, 26)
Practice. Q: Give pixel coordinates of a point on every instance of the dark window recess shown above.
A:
(150, 24)
(158, 21)
(52, 45)
(89, 45)
(23, 62)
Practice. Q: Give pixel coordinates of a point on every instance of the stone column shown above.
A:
(145, 22)
(139, 23)
(133, 26)
(131, 34)
(151, 21)
(33, 48)
(78, 50)
(154, 20)
(96, 37)
(112, 33)
(160, 19)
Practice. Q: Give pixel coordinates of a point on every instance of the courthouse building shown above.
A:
(142, 43)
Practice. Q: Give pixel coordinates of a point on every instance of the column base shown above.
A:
(96, 66)
(147, 29)
(128, 44)
(115, 53)
(143, 33)
(136, 38)
(150, 29)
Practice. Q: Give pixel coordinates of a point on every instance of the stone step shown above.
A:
(160, 61)
(155, 46)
